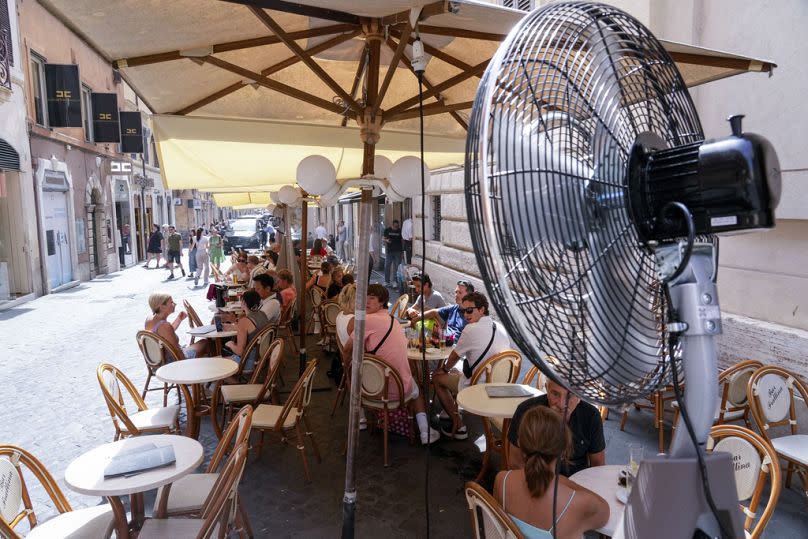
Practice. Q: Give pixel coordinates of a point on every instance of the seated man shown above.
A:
(431, 298)
(264, 285)
(583, 419)
(481, 339)
(451, 315)
(385, 338)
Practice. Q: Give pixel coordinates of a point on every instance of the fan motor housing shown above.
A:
(729, 185)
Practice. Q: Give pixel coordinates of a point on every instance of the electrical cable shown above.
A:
(691, 237)
(558, 462)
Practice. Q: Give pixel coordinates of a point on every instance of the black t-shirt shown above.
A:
(395, 245)
(586, 427)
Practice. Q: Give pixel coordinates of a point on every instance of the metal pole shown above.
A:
(349, 499)
(304, 213)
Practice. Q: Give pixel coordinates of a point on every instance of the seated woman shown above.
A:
(321, 279)
(335, 287)
(247, 327)
(527, 494)
(239, 269)
(163, 305)
(318, 249)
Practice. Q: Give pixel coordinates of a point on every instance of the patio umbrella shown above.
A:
(330, 62)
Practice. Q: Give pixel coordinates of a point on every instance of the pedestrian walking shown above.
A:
(192, 252)
(342, 237)
(406, 238)
(174, 251)
(392, 259)
(216, 250)
(155, 246)
(164, 232)
(202, 257)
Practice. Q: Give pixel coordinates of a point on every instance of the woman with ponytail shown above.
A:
(527, 494)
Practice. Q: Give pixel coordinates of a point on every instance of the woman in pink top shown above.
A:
(385, 338)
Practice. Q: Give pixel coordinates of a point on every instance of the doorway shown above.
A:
(57, 238)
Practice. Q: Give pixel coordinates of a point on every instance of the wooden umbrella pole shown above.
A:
(304, 212)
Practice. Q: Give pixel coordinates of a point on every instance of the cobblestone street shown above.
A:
(50, 404)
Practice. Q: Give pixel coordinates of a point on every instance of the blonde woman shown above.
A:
(162, 305)
(345, 323)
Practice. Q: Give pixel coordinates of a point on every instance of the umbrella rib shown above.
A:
(270, 23)
(169, 56)
(399, 52)
(391, 43)
(437, 53)
(459, 32)
(300, 9)
(275, 85)
(429, 110)
(360, 69)
(448, 83)
(292, 60)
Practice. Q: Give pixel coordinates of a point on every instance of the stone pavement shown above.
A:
(50, 404)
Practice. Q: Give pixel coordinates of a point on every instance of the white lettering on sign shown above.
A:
(120, 166)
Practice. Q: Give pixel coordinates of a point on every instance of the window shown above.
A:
(38, 89)
(436, 218)
(154, 152)
(524, 5)
(5, 26)
(87, 112)
(146, 136)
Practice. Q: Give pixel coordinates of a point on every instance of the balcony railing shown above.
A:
(5, 60)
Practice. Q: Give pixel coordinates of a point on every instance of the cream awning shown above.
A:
(242, 201)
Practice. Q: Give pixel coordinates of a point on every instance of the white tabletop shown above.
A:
(432, 354)
(226, 308)
(86, 473)
(602, 480)
(197, 371)
(219, 334)
(475, 400)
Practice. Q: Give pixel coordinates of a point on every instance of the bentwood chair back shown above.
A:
(500, 368)
(260, 340)
(734, 401)
(163, 420)
(756, 463)
(285, 323)
(488, 520)
(400, 306)
(157, 351)
(16, 506)
(534, 377)
(193, 317)
(771, 392)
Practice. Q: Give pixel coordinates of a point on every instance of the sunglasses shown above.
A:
(468, 285)
(468, 310)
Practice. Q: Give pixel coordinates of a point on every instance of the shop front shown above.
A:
(15, 277)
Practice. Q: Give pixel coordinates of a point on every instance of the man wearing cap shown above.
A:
(451, 315)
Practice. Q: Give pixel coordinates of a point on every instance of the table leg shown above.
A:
(489, 443)
(137, 505)
(214, 403)
(162, 503)
(506, 444)
(121, 524)
(190, 407)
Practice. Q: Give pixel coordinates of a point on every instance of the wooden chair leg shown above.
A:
(261, 443)
(789, 473)
(310, 436)
(302, 450)
(337, 399)
(146, 385)
(623, 419)
(166, 389)
(243, 520)
(604, 413)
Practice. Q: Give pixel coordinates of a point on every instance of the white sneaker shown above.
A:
(430, 438)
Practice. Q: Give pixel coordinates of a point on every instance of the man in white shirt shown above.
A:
(406, 237)
(481, 339)
(264, 285)
(320, 232)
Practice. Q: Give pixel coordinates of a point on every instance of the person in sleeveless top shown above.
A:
(527, 494)
(162, 305)
(247, 326)
(321, 279)
(216, 249)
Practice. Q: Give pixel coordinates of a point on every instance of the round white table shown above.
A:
(432, 354)
(225, 309)
(217, 336)
(194, 373)
(475, 400)
(85, 474)
(602, 480)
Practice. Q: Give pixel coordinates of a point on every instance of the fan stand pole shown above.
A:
(667, 500)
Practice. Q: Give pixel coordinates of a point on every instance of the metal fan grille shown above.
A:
(553, 122)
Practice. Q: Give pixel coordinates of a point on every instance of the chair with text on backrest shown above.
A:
(16, 506)
(216, 510)
(291, 416)
(255, 391)
(400, 306)
(193, 318)
(284, 326)
(316, 298)
(187, 495)
(734, 404)
(502, 368)
(157, 351)
(488, 520)
(146, 420)
(329, 310)
(771, 397)
(377, 378)
(755, 462)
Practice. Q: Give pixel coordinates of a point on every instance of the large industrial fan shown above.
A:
(593, 202)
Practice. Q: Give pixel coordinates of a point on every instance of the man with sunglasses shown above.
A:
(450, 316)
(481, 339)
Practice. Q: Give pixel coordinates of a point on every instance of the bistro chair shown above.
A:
(187, 495)
(16, 506)
(157, 351)
(329, 310)
(284, 326)
(656, 402)
(377, 377)
(755, 462)
(145, 420)
(254, 391)
(771, 397)
(257, 346)
(345, 380)
(488, 520)
(734, 404)
(193, 318)
(215, 513)
(399, 308)
(534, 377)
(316, 298)
(291, 417)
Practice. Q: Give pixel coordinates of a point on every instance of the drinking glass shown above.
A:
(635, 456)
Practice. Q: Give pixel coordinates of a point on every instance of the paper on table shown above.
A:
(140, 459)
(202, 330)
(495, 392)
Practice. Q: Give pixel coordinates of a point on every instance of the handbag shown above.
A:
(468, 370)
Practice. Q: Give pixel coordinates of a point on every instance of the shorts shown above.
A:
(189, 352)
(174, 256)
